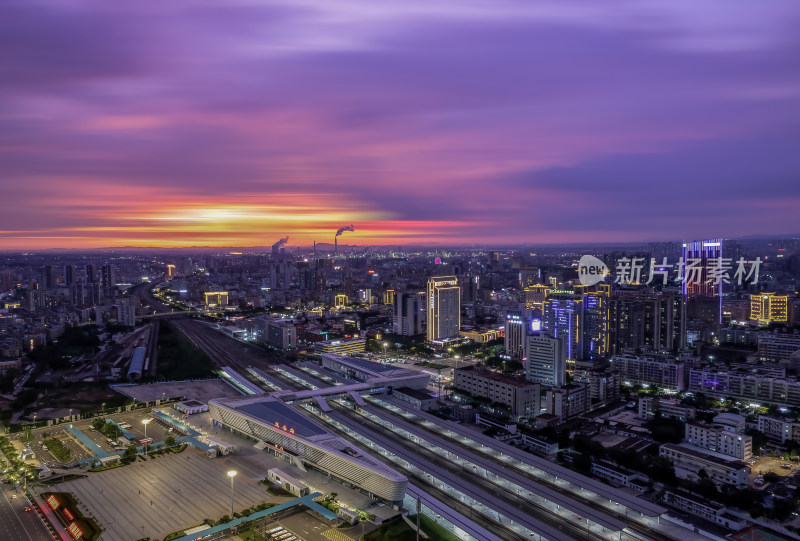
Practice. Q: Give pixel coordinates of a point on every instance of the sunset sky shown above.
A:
(198, 123)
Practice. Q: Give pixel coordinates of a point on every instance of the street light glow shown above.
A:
(231, 473)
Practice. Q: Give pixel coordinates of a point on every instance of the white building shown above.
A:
(418, 398)
(280, 334)
(444, 308)
(775, 346)
(782, 430)
(657, 370)
(716, 438)
(689, 461)
(522, 397)
(619, 475)
(287, 482)
(293, 437)
(703, 508)
(567, 402)
(546, 360)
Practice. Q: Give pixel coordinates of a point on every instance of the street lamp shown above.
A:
(231, 474)
(144, 422)
(385, 345)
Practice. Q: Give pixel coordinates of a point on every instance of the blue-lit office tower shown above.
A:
(564, 317)
(595, 320)
(707, 254)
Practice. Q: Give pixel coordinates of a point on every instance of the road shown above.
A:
(16, 523)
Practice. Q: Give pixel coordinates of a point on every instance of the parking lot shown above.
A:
(155, 429)
(155, 497)
(37, 445)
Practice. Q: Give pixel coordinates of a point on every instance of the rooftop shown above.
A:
(271, 411)
(415, 393)
(495, 376)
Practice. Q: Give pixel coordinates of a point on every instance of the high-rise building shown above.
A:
(672, 314)
(90, 274)
(126, 311)
(516, 328)
(563, 317)
(48, 279)
(69, 275)
(637, 320)
(595, 319)
(703, 271)
(535, 295)
(546, 360)
(444, 308)
(408, 313)
(766, 308)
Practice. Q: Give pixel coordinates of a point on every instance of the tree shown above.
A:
(667, 430)
(782, 508)
(170, 440)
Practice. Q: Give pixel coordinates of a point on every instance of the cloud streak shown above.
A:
(191, 123)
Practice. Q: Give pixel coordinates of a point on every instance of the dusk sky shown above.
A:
(183, 123)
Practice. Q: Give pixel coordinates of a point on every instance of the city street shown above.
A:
(18, 524)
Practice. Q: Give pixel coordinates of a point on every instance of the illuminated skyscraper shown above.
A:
(703, 260)
(516, 327)
(595, 318)
(706, 254)
(444, 308)
(766, 308)
(564, 317)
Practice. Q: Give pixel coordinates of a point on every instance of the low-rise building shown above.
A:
(716, 438)
(287, 482)
(690, 461)
(618, 475)
(567, 402)
(782, 430)
(703, 508)
(342, 347)
(522, 397)
(777, 346)
(741, 385)
(672, 409)
(419, 399)
(653, 369)
(540, 445)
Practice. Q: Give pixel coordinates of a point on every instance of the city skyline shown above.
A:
(545, 123)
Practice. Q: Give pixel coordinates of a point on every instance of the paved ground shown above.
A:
(201, 391)
(15, 523)
(156, 497)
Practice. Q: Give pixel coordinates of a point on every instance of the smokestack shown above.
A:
(277, 245)
(339, 232)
